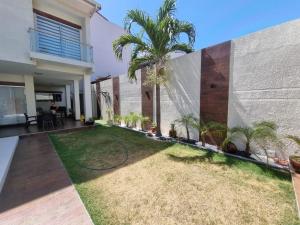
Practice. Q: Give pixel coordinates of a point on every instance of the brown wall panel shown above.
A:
(116, 97)
(215, 67)
(147, 98)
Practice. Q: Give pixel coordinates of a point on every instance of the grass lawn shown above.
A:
(164, 183)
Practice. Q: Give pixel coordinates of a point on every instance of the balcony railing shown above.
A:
(57, 45)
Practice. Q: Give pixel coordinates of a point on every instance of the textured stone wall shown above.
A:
(130, 94)
(106, 88)
(181, 95)
(265, 78)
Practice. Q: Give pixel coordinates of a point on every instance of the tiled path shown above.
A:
(296, 183)
(38, 189)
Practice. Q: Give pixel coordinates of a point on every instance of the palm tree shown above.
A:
(258, 132)
(214, 128)
(186, 121)
(158, 37)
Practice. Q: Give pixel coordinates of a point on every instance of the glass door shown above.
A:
(12, 105)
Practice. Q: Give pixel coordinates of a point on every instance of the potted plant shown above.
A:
(295, 158)
(90, 122)
(172, 132)
(144, 121)
(127, 120)
(258, 131)
(134, 118)
(117, 119)
(153, 128)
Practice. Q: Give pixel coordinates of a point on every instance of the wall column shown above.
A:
(87, 96)
(30, 95)
(68, 98)
(76, 100)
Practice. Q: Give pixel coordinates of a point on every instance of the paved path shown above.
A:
(296, 183)
(38, 189)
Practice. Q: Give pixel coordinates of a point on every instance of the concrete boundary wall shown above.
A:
(106, 88)
(130, 94)
(264, 83)
(181, 95)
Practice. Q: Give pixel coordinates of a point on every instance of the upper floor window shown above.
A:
(57, 38)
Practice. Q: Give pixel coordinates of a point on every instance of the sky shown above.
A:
(215, 21)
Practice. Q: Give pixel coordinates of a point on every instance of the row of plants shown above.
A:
(132, 120)
(263, 134)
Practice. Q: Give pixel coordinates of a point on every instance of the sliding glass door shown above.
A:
(12, 105)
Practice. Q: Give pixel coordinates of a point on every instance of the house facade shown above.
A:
(45, 53)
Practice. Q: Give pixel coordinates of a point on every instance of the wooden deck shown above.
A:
(38, 189)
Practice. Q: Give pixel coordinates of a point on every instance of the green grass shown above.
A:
(165, 183)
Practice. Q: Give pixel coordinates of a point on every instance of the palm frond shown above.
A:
(269, 124)
(181, 47)
(167, 10)
(295, 139)
(144, 21)
(183, 27)
(136, 64)
(126, 40)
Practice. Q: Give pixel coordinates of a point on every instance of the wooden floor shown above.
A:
(38, 189)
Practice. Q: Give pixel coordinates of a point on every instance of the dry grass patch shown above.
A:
(162, 183)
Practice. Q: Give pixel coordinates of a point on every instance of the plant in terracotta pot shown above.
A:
(214, 128)
(144, 122)
(172, 132)
(153, 128)
(117, 119)
(127, 120)
(90, 122)
(264, 130)
(295, 158)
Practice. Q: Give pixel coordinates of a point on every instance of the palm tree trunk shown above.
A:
(187, 132)
(247, 150)
(158, 129)
(203, 140)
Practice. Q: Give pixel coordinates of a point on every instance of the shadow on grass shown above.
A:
(218, 159)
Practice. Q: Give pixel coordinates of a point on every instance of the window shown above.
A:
(56, 38)
(48, 96)
(12, 105)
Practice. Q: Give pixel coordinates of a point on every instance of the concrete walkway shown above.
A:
(296, 184)
(38, 189)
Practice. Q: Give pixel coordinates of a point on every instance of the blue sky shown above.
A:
(215, 20)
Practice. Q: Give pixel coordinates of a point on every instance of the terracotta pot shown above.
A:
(231, 148)
(295, 162)
(153, 129)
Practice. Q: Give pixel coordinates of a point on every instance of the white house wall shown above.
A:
(103, 33)
(16, 18)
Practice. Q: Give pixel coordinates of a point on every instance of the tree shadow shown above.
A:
(234, 163)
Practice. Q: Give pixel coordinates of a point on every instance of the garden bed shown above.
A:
(240, 154)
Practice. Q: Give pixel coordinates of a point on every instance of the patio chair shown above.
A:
(48, 121)
(60, 119)
(29, 120)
